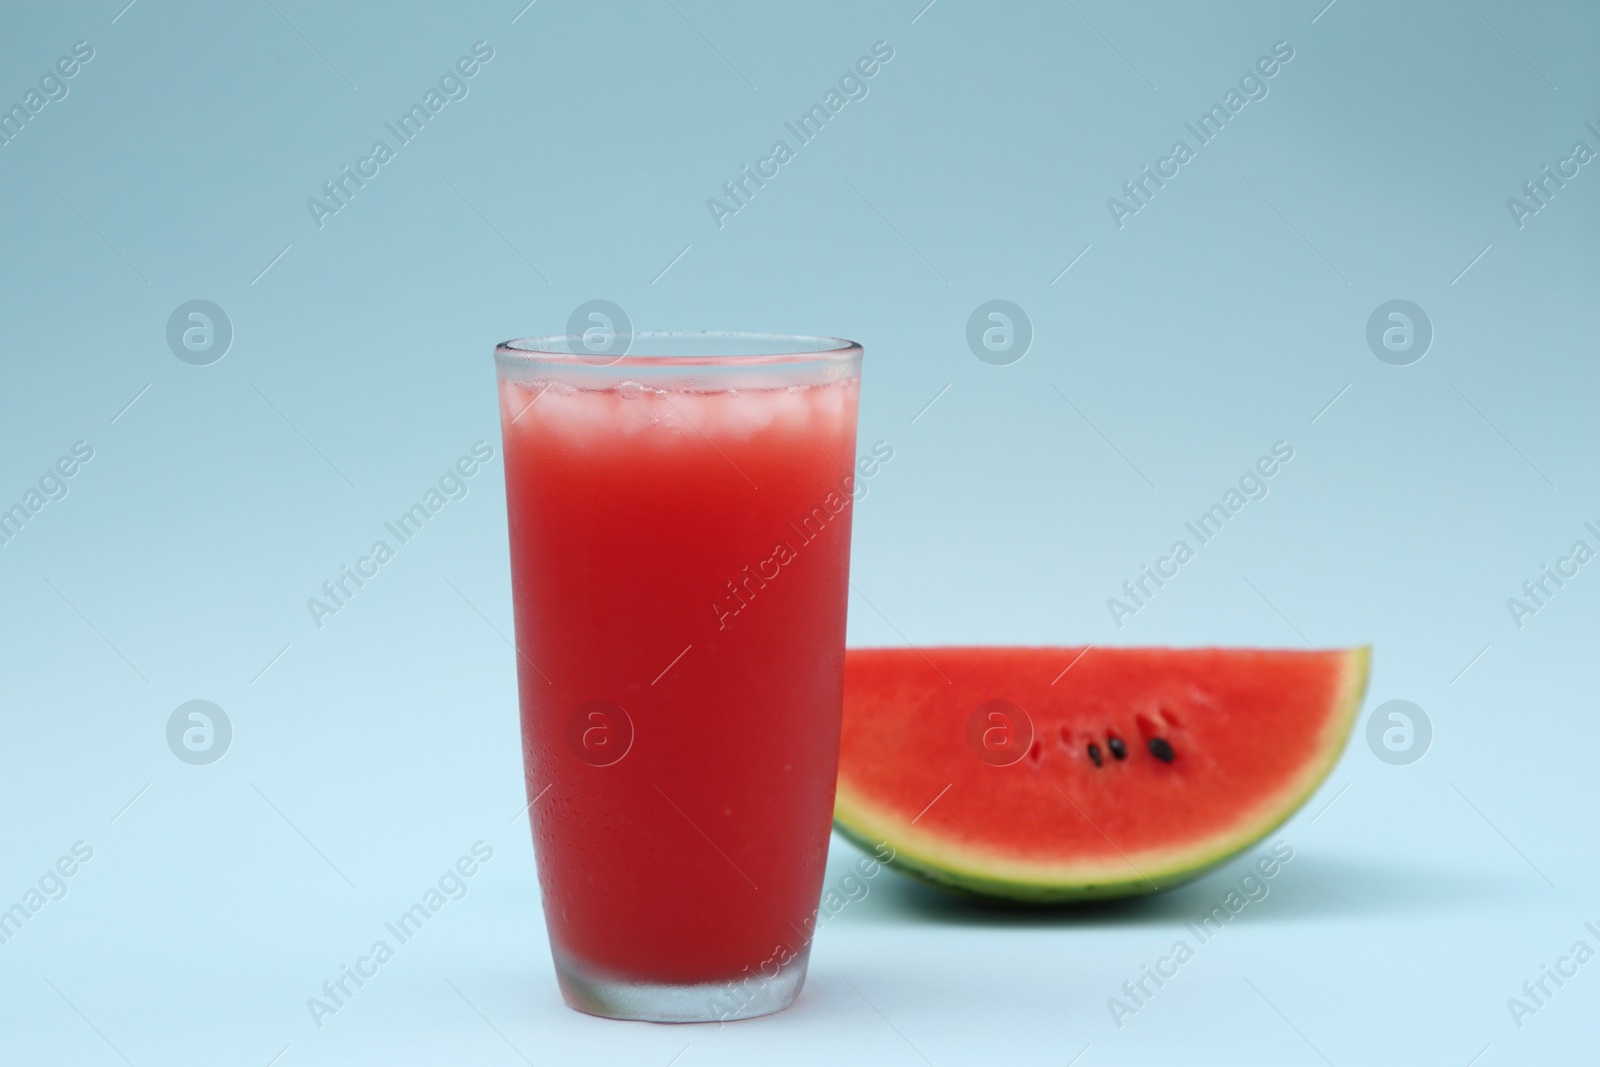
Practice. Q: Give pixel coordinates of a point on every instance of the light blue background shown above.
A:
(1225, 316)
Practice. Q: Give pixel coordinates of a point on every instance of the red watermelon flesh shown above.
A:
(1058, 774)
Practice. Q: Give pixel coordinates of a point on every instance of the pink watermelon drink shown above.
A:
(680, 534)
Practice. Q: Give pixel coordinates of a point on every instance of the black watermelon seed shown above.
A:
(1118, 749)
(1161, 750)
(1094, 754)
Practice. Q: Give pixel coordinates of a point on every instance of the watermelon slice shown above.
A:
(1062, 774)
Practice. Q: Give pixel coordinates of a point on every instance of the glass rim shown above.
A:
(698, 348)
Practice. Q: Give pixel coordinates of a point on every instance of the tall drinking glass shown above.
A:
(680, 548)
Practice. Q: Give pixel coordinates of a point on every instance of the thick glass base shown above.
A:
(658, 1002)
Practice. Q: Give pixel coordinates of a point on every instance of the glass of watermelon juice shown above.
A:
(680, 541)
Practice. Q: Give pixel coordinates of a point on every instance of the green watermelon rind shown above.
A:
(1150, 877)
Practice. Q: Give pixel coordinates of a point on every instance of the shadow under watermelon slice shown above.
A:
(1052, 775)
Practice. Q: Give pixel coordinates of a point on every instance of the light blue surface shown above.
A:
(1226, 315)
